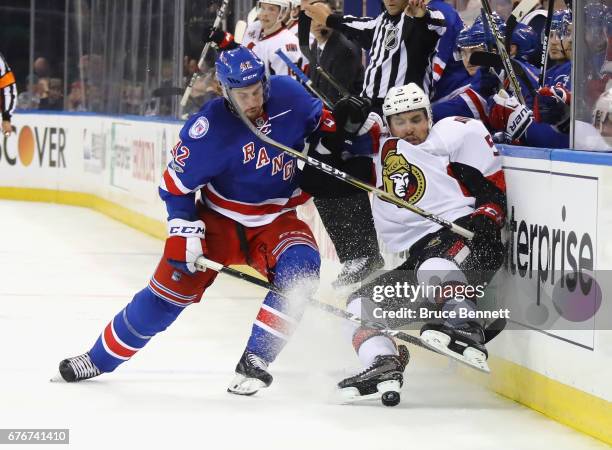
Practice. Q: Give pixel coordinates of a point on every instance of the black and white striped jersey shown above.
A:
(400, 48)
(8, 90)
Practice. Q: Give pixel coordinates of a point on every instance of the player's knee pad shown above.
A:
(148, 314)
(299, 264)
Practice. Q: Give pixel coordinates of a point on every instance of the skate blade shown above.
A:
(471, 357)
(242, 385)
(351, 394)
(349, 287)
(57, 378)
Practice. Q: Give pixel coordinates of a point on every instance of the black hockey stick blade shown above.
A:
(486, 59)
(546, 43)
(304, 36)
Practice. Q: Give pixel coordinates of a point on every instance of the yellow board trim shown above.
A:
(136, 220)
(570, 406)
(578, 409)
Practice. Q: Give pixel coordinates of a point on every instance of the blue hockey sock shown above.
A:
(131, 329)
(297, 273)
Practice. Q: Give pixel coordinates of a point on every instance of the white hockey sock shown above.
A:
(375, 346)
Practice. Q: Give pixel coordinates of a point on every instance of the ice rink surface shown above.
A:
(67, 271)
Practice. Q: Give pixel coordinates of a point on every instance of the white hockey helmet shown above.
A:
(602, 108)
(285, 7)
(295, 3)
(406, 98)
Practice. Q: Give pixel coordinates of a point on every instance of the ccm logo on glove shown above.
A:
(181, 230)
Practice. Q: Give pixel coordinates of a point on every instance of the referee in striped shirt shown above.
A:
(8, 95)
(400, 42)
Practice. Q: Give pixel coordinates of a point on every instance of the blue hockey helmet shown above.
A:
(477, 34)
(561, 21)
(526, 40)
(496, 18)
(240, 67)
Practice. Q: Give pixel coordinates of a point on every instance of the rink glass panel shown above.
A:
(115, 57)
(103, 56)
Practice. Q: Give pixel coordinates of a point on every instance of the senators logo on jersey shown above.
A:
(404, 180)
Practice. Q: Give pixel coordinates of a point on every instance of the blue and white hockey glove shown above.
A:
(509, 116)
(185, 243)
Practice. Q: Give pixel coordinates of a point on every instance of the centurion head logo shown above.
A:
(403, 179)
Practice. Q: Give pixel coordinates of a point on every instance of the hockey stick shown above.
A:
(239, 31)
(304, 40)
(203, 264)
(501, 49)
(194, 77)
(522, 9)
(304, 36)
(487, 31)
(331, 80)
(252, 15)
(307, 82)
(342, 176)
(544, 59)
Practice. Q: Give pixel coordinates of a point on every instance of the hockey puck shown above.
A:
(390, 398)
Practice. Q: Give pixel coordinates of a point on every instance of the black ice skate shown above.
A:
(358, 269)
(251, 375)
(464, 343)
(383, 379)
(77, 368)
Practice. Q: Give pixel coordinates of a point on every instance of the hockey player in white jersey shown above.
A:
(453, 170)
(292, 16)
(269, 33)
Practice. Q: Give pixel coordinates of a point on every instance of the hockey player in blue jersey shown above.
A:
(560, 50)
(471, 100)
(249, 192)
(446, 70)
(551, 107)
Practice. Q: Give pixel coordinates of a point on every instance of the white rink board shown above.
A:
(121, 160)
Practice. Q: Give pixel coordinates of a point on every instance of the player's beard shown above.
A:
(254, 113)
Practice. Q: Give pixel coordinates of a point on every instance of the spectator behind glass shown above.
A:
(31, 98)
(41, 67)
(75, 97)
(190, 67)
(132, 97)
(51, 97)
(205, 89)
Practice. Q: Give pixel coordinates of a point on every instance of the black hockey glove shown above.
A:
(489, 83)
(223, 39)
(486, 223)
(351, 113)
